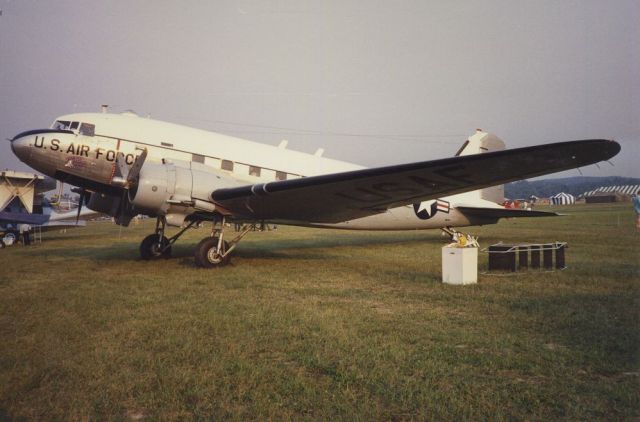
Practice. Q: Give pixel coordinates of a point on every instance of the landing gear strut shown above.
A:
(215, 251)
(157, 245)
(212, 251)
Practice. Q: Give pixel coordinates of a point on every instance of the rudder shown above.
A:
(479, 143)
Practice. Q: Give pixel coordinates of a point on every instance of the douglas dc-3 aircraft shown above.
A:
(127, 165)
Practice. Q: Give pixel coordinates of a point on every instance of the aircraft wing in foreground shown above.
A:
(345, 196)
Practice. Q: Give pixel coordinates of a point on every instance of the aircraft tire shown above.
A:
(2, 245)
(10, 238)
(149, 248)
(207, 256)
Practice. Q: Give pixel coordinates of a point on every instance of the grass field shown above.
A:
(320, 324)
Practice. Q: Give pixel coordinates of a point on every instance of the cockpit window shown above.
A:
(65, 125)
(61, 125)
(87, 129)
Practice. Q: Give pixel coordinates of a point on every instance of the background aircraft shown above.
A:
(50, 219)
(126, 165)
(22, 203)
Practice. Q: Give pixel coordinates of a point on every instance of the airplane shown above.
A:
(126, 165)
(49, 219)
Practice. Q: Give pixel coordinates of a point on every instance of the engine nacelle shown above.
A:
(156, 185)
(177, 189)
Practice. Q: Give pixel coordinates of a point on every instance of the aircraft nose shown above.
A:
(20, 146)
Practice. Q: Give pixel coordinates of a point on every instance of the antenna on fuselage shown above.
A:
(105, 108)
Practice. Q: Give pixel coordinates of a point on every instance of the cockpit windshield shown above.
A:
(85, 128)
(65, 125)
(61, 125)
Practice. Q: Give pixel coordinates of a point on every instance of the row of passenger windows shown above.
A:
(88, 129)
(255, 171)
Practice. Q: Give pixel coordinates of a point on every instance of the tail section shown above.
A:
(484, 205)
(479, 143)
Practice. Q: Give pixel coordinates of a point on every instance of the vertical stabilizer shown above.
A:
(479, 143)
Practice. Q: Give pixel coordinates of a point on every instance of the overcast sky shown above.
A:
(372, 82)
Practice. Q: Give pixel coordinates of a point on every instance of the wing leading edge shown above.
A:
(338, 197)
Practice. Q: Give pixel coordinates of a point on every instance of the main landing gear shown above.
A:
(157, 245)
(212, 251)
(215, 251)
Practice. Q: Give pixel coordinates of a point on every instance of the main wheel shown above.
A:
(10, 238)
(151, 249)
(207, 254)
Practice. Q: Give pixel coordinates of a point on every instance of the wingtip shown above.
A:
(613, 147)
(605, 148)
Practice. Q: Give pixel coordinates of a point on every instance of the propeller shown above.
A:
(83, 195)
(129, 176)
(134, 171)
(84, 198)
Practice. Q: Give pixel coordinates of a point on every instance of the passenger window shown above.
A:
(227, 165)
(281, 175)
(254, 171)
(87, 129)
(197, 158)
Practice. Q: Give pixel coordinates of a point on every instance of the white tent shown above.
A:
(563, 199)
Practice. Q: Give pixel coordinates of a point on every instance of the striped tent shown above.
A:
(563, 199)
(623, 189)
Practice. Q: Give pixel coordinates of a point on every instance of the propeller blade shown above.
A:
(134, 171)
(80, 202)
(122, 169)
(124, 210)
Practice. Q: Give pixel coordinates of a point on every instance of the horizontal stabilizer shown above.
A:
(504, 212)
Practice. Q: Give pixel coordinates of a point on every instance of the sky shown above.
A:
(371, 82)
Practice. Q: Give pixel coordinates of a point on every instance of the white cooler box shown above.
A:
(459, 265)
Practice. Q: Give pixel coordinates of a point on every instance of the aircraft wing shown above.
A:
(504, 212)
(72, 215)
(23, 218)
(56, 225)
(338, 197)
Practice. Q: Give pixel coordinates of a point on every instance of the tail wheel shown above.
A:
(207, 254)
(150, 248)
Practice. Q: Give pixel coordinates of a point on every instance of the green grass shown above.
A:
(320, 324)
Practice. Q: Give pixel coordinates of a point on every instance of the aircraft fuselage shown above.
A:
(82, 149)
